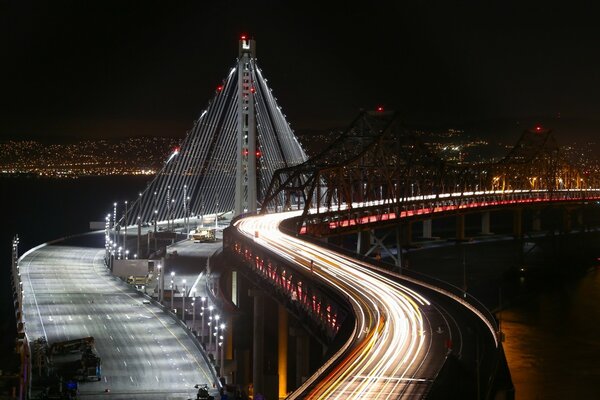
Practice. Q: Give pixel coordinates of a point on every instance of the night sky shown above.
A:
(102, 69)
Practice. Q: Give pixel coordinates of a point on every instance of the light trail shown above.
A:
(383, 359)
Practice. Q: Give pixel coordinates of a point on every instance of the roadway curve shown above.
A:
(399, 342)
(68, 293)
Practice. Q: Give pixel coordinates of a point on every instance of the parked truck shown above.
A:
(76, 359)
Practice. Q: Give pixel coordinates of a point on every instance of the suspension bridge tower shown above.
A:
(247, 154)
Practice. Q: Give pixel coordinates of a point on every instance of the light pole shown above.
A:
(210, 309)
(158, 283)
(183, 303)
(216, 333)
(172, 289)
(222, 344)
(194, 310)
(125, 233)
(115, 223)
(202, 315)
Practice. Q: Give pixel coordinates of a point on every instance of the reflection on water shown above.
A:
(553, 341)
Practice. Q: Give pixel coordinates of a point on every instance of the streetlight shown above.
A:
(194, 310)
(222, 344)
(172, 289)
(125, 233)
(183, 304)
(159, 283)
(216, 333)
(115, 222)
(210, 309)
(202, 315)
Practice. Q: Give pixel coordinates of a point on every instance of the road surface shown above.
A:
(145, 353)
(399, 343)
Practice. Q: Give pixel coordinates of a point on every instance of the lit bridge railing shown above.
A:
(341, 218)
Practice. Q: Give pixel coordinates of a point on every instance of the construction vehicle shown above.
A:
(137, 280)
(204, 235)
(89, 367)
(80, 344)
(76, 359)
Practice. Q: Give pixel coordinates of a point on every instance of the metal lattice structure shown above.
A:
(377, 161)
(537, 163)
(374, 159)
(227, 160)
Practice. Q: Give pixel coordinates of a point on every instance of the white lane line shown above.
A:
(119, 350)
(156, 377)
(148, 361)
(111, 338)
(131, 379)
(125, 362)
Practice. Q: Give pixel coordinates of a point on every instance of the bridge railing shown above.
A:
(327, 309)
(343, 217)
(415, 278)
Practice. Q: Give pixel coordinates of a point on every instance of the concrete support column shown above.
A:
(363, 241)
(567, 224)
(580, 219)
(518, 223)
(302, 355)
(485, 223)
(407, 233)
(536, 224)
(282, 350)
(427, 230)
(460, 227)
(258, 343)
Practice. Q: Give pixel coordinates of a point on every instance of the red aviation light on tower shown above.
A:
(258, 154)
(219, 88)
(243, 37)
(379, 109)
(538, 128)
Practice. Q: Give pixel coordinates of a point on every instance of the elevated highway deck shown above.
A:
(68, 293)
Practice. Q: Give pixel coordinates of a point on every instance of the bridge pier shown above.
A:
(363, 241)
(485, 223)
(427, 229)
(536, 223)
(460, 227)
(258, 341)
(567, 224)
(282, 350)
(518, 223)
(302, 354)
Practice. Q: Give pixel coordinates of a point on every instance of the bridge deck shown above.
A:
(70, 294)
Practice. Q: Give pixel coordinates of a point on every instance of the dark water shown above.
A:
(40, 210)
(552, 326)
(553, 340)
